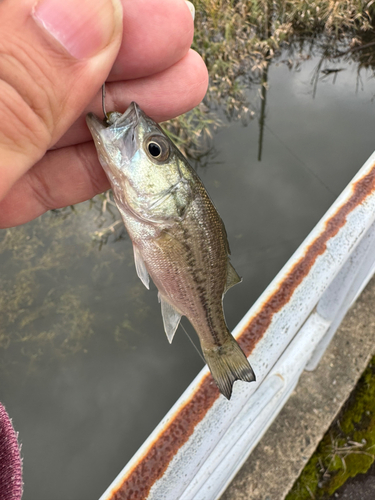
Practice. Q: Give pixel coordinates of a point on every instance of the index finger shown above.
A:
(157, 34)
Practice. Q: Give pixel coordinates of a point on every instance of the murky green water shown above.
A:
(86, 370)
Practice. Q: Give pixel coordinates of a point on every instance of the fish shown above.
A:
(179, 239)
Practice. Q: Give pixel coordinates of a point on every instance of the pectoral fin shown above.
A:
(171, 318)
(232, 277)
(140, 267)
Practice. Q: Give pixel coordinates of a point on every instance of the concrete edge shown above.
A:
(279, 458)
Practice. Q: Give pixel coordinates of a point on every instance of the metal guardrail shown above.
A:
(202, 442)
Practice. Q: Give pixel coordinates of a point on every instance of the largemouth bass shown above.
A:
(178, 237)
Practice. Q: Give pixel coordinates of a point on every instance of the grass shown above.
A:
(239, 38)
(237, 35)
(347, 449)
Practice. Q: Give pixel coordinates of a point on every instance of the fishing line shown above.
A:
(308, 169)
(191, 340)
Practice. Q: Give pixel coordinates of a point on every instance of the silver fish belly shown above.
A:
(178, 237)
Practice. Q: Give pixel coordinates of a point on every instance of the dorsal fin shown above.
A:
(171, 318)
(232, 277)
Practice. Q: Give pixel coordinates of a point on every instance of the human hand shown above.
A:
(47, 158)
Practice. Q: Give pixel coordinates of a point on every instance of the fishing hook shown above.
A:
(103, 104)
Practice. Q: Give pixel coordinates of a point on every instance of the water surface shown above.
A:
(86, 370)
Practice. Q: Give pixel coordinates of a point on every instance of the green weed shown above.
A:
(347, 449)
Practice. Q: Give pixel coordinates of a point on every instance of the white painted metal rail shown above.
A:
(204, 439)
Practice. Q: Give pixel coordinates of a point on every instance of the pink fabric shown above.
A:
(10, 460)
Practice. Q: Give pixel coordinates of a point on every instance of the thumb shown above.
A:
(54, 55)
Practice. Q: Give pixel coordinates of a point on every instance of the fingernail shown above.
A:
(82, 27)
(191, 8)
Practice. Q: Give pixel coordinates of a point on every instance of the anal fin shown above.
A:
(171, 318)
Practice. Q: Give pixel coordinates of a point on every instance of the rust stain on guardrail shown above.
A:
(153, 464)
(256, 328)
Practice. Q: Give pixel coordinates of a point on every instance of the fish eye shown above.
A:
(154, 149)
(157, 148)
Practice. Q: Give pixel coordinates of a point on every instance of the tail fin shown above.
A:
(227, 364)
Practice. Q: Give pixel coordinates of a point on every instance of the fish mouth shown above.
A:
(117, 131)
(129, 119)
(96, 127)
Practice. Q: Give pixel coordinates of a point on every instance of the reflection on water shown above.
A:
(86, 370)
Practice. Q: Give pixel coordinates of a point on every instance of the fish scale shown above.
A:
(178, 236)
